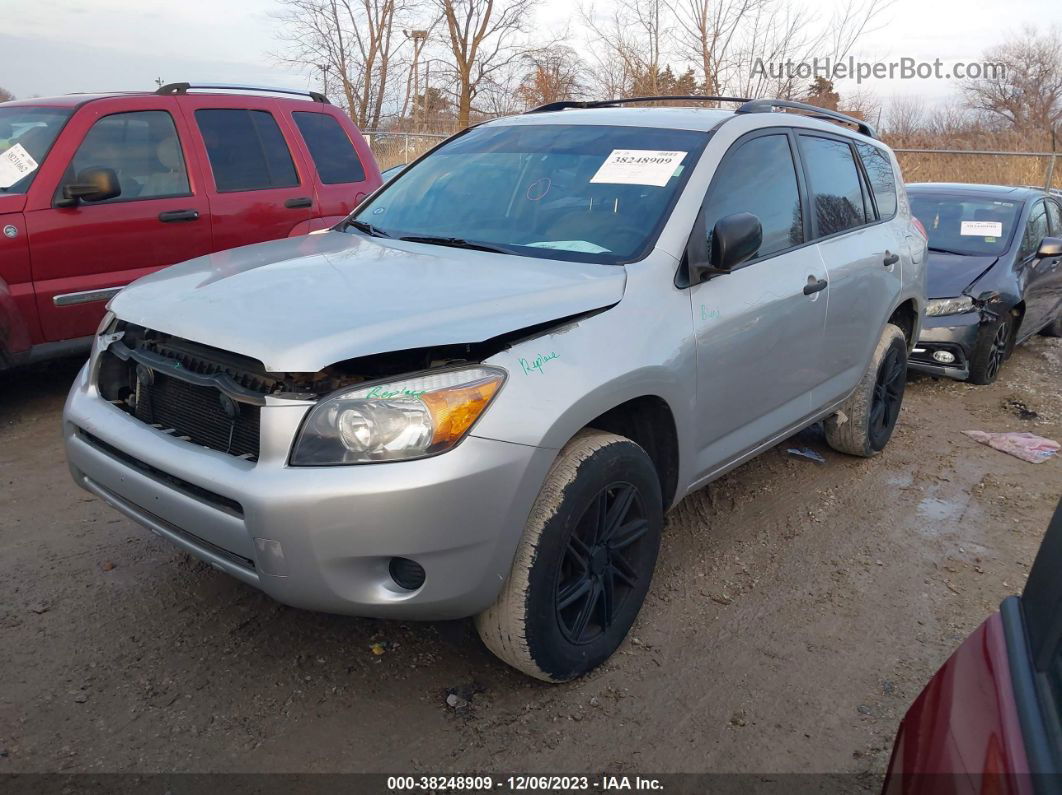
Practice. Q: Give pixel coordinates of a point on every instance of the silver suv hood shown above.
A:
(301, 304)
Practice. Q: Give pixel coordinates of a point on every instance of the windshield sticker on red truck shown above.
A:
(15, 163)
(638, 167)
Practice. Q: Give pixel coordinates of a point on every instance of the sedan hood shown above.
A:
(947, 275)
(301, 304)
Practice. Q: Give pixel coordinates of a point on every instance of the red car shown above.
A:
(988, 722)
(97, 190)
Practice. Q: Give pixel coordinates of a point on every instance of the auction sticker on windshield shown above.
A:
(638, 167)
(15, 163)
(981, 229)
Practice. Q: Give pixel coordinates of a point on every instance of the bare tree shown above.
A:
(352, 42)
(552, 75)
(1026, 93)
(5, 95)
(630, 45)
(905, 117)
(711, 30)
(484, 37)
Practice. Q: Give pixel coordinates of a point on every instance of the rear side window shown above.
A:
(330, 148)
(759, 177)
(835, 188)
(882, 180)
(247, 151)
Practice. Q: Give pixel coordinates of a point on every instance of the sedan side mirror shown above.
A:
(92, 185)
(1050, 247)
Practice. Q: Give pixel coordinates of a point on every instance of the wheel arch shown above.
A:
(906, 318)
(648, 422)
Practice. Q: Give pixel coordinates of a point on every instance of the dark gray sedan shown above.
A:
(994, 275)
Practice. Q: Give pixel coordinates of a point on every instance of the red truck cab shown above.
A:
(98, 190)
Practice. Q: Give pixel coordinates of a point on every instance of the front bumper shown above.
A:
(956, 334)
(459, 515)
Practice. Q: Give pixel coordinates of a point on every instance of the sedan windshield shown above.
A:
(969, 225)
(587, 193)
(26, 135)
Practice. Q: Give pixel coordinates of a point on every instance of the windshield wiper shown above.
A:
(948, 251)
(362, 226)
(453, 242)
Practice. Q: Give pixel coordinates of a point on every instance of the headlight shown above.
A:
(950, 306)
(397, 420)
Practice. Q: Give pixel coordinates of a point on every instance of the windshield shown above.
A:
(587, 193)
(970, 225)
(26, 135)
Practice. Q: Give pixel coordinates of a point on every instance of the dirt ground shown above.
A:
(797, 610)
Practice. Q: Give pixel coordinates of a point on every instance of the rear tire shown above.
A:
(584, 563)
(873, 409)
(991, 350)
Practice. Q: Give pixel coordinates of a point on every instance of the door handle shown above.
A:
(814, 286)
(891, 259)
(301, 201)
(170, 216)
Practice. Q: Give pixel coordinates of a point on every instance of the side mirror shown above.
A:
(1050, 247)
(92, 185)
(735, 239)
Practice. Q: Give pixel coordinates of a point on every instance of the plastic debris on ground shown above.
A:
(1026, 446)
(806, 452)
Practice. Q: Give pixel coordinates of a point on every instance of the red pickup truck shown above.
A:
(98, 190)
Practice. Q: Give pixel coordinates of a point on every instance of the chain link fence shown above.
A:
(1039, 169)
(396, 148)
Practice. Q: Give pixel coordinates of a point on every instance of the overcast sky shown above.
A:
(53, 47)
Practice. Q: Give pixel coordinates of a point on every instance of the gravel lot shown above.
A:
(797, 610)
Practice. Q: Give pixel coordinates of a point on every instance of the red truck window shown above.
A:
(143, 150)
(246, 148)
(330, 148)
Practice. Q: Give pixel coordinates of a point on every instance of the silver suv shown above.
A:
(478, 395)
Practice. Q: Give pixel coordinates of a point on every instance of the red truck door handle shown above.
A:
(301, 201)
(170, 216)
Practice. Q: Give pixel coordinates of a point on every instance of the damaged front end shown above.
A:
(214, 398)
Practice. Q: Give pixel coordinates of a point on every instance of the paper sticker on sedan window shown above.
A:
(15, 163)
(638, 167)
(981, 229)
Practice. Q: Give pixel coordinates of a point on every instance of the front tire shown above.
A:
(584, 564)
(991, 350)
(873, 409)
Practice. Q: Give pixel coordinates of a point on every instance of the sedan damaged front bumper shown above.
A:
(948, 334)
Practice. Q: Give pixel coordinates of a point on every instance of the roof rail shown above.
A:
(768, 105)
(607, 103)
(182, 88)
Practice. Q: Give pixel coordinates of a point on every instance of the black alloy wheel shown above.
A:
(602, 563)
(887, 397)
(997, 353)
